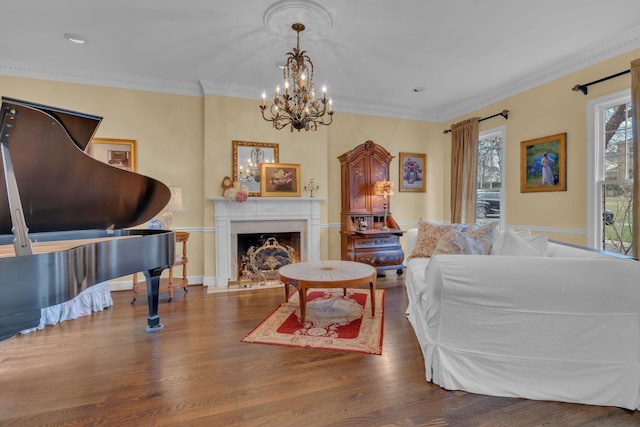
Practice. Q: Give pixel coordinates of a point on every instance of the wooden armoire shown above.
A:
(360, 169)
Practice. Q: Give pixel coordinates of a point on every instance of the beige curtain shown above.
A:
(464, 143)
(635, 99)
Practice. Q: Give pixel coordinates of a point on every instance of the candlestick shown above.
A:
(311, 187)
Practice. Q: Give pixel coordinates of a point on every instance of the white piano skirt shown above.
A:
(94, 298)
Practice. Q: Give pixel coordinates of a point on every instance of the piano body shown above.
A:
(63, 216)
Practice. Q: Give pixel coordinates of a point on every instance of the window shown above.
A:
(610, 172)
(490, 176)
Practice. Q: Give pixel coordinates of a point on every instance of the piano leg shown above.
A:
(153, 290)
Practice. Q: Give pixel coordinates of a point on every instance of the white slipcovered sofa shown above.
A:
(562, 325)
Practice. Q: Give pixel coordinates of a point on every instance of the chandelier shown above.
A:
(298, 105)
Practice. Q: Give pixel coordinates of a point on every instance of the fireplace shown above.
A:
(264, 216)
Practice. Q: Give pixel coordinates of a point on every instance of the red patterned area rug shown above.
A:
(333, 322)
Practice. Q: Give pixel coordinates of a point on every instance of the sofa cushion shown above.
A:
(429, 233)
(475, 242)
(485, 235)
(510, 243)
(456, 242)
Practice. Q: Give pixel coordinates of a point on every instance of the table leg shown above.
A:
(286, 292)
(302, 294)
(372, 287)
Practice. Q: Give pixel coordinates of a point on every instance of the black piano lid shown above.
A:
(63, 188)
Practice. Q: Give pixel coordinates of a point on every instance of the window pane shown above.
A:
(617, 147)
(614, 152)
(489, 179)
(615, 167)
(617, 220)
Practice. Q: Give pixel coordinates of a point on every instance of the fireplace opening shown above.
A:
(260, 255)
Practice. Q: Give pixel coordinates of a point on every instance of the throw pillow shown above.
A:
(429, 233)
(485, 235)
(499, 238)
(456, 242)
(540, 242)
(523, 232)
(511, 244)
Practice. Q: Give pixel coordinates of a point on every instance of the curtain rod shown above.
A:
(503, 113)
(583, 88)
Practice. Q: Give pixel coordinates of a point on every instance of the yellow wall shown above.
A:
(228, 119)
(550, 109)
(410, 136)
(168, 130)
(186, 141)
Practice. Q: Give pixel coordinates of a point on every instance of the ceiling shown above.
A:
(371, 55)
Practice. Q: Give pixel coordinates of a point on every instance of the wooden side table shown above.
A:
(181, 237)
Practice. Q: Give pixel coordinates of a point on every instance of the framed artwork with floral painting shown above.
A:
(413, 171)
(280, 180)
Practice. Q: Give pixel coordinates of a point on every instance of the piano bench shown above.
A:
(181, 237)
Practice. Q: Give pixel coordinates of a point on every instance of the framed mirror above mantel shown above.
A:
(247, 157)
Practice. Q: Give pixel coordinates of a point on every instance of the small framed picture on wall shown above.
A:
(543, 164)
(280, 180)
(413, 169)
(119, 153)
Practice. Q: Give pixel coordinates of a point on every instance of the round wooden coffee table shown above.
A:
(327, 274)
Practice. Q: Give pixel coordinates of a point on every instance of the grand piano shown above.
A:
(64, 216)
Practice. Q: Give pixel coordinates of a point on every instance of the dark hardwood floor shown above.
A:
(104, 369)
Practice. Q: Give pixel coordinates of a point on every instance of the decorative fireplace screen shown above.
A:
(260, 257)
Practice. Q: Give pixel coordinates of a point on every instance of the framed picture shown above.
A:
(543, 164)
(280, 180)
(247, 157)
(413, 168)
(120, 153)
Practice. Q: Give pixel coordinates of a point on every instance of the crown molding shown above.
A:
(370, 109)
(345, 106)
(210, 87)
(101, 79)
(597, 53)
(592, 55)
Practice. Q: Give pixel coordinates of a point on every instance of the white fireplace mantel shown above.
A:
(258, 209)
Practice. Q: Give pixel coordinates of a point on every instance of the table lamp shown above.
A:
(174, 205)
(385, 189)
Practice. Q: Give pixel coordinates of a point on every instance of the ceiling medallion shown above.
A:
(279, 16)
(298, 106)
